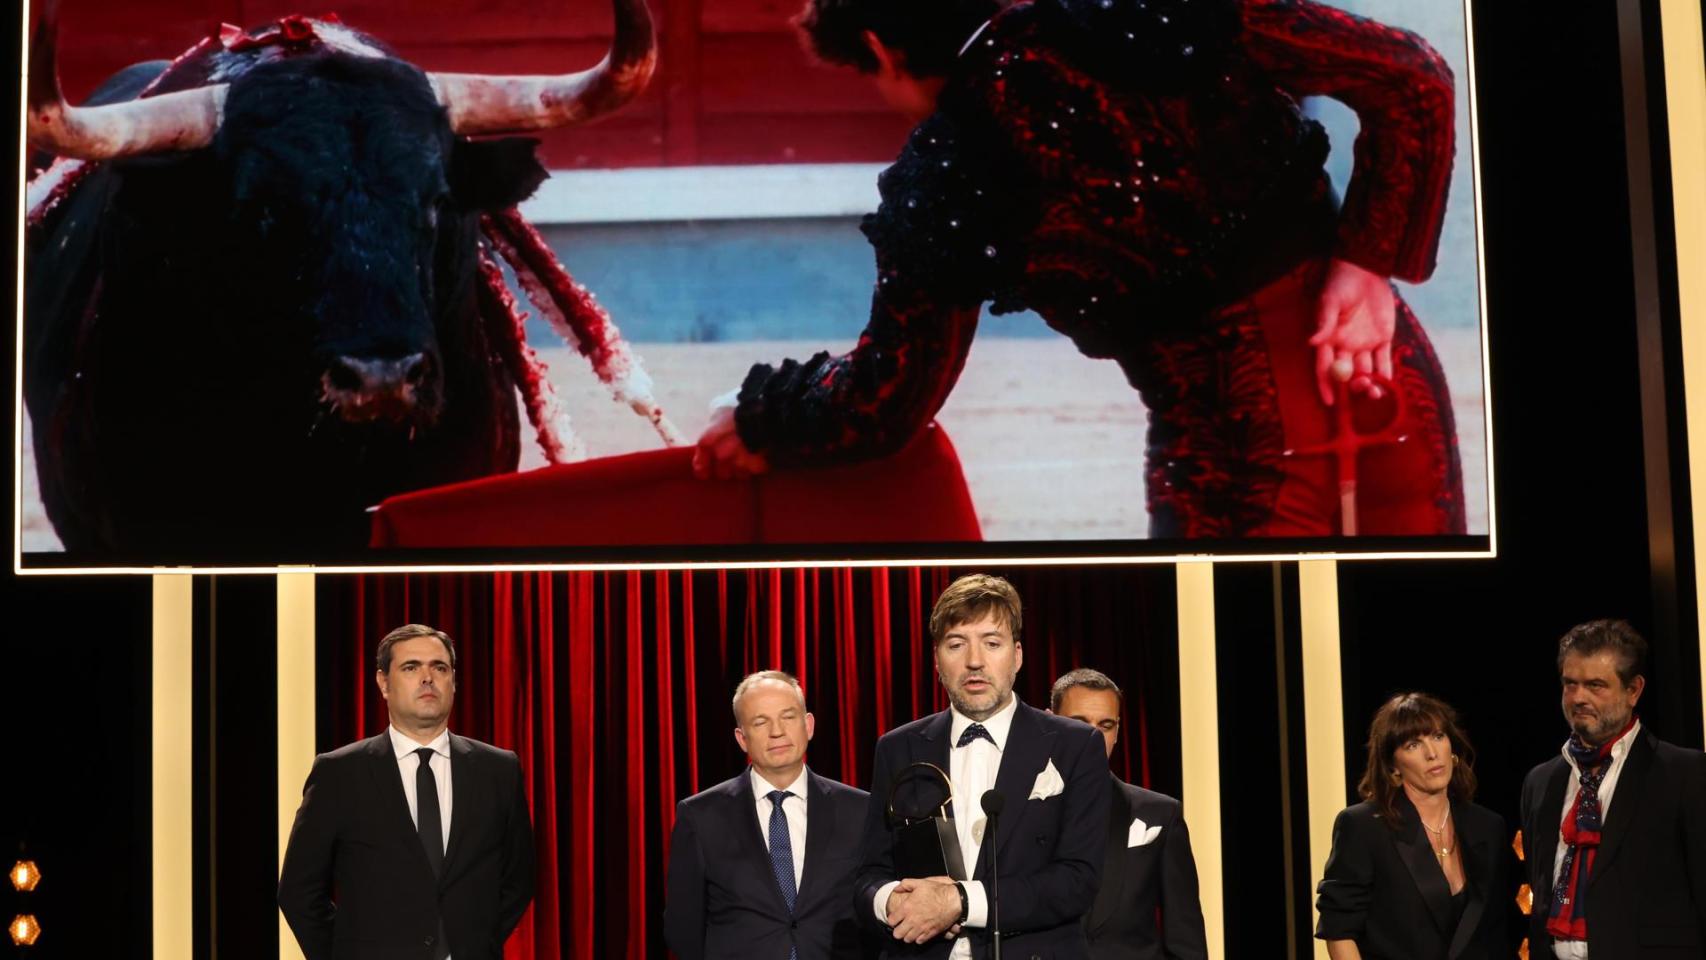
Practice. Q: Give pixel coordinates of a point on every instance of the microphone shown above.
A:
(992, 802)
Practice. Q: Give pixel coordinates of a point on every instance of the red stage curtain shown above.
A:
(613, 689)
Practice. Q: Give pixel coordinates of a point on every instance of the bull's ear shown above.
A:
(494, 174)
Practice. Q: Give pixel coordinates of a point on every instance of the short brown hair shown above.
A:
(1617, 636)
(972, 597)
(1398, 721)
(409, 631)
(1082, 677)
(754, 679)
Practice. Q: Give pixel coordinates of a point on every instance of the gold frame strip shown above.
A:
(1323, 712)
(1199, 742)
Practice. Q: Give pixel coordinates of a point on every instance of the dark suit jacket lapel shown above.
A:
(1478, 872)
(1022, 758)
(1625, 803)
(819, 823)
(1423, 865)
(745, 814)
(931, 744)
(463, 800)
(393, 803)
(1112, 890)
(1543, 849)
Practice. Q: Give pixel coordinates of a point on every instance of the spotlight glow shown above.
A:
(24, 875)
(24, 929)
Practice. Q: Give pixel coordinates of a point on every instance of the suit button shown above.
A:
(793, 924)
(428, 941)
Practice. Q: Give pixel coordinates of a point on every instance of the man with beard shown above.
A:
(414, 843)
(1616, 825)
(1051, 774)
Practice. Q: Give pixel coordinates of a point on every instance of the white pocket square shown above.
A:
(1141, 834)
(1048, 783)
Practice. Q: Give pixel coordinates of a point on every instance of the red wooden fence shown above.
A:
(734, 85)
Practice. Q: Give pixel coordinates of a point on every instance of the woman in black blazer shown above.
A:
(1417, 871)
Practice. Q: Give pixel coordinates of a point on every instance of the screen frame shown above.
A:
(990, 553)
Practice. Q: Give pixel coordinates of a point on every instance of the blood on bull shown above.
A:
(256, 296)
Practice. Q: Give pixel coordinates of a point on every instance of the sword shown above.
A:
(1346, 443)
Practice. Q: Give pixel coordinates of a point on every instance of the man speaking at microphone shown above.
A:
(1050, 772)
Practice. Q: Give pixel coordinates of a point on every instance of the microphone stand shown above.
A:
(992, 803)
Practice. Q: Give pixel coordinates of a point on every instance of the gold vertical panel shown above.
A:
(1685, 103)
(1199, 741)
(1323, 712)
(295, 714)
(172, 747)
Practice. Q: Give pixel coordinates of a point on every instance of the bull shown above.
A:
(261, 309)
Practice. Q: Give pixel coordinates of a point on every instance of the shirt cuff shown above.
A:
(881, 901)
(977, 904)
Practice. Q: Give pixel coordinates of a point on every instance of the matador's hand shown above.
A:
(1355, 320)
(720, 454)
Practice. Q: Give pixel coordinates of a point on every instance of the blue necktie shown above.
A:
(782, 853)
(973, 732)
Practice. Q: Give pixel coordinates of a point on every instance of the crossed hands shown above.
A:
(921, 910)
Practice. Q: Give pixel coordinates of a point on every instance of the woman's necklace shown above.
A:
(1445, 848)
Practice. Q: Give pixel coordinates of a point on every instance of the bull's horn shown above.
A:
(479, 103)
(174, 121)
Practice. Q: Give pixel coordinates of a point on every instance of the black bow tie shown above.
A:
(973, 732)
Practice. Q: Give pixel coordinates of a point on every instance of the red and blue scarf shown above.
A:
(1568, 917)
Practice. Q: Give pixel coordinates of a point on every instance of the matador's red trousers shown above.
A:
(1232, 402)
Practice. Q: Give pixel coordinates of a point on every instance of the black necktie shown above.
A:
(427, 819)
(973, 732)
(431, 827)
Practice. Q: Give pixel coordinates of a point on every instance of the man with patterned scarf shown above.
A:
(1615, 827)
(1139, 173)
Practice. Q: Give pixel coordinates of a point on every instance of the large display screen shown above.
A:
(1045, 280)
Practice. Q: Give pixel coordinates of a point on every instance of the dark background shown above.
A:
(1576, 508)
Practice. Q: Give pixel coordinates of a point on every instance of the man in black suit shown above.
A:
(415, 843)
(1147, 907)
(1050, 772)
(1616, 825)
(761, 865)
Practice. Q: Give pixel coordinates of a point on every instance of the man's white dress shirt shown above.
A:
(793, 808)
(407, 765)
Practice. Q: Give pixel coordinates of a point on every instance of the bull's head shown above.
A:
(476, 103)
(352, 190)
